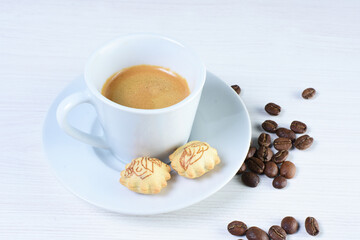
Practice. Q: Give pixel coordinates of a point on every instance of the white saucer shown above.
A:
(93, 174)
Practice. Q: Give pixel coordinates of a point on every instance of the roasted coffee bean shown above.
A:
(282, 143)
(303, 142)
(269, 126)
(277, 233)
(237, 228)
(271, 169)
(286, 133)
(255, 164)
(272, 109)
(280, 156)
(242, 169)
(288, 170)
(264, 140)
(308, 93)
(236, 88)
(279, 182)
(290, 225)
(264, 153)
(251, 152)
(250, 179)
(298, 127)
(255, 233)
(312, 226)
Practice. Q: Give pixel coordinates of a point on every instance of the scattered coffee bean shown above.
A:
(264, 140)
(251, 152)
(290, 225)
(279, 182)
(308, 93)
(269, 126)
(280, 156)
(298, 127)
(255, 164)
(303, 142)
(242, 169)
(264, 153)
(255, 233)
(277, 233)
(286, 133)
(288, 170)
(271, 169)
(282, 143)
(237, 228)
(250, 179)
(272, 109)
(312, 226)
(236, 88)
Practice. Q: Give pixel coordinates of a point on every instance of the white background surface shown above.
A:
(272, 49)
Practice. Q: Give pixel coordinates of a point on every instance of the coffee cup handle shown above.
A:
(62, 112)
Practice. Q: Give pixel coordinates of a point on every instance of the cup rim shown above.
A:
(171, 108)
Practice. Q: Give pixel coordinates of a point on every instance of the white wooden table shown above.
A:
(272, 49)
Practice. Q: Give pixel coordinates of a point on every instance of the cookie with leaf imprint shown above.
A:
(145, 175)
(194, 159)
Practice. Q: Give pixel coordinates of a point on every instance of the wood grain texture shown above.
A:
(272, 49)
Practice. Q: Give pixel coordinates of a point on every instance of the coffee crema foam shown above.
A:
(146, 87)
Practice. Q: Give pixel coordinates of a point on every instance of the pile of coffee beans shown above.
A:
(263, 160)
(289, 225)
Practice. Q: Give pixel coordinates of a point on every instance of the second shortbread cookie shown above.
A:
(194, 159)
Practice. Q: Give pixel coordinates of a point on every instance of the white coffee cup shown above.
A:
(130, 132)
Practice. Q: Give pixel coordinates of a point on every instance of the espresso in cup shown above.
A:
(136, 130)
(146, 87)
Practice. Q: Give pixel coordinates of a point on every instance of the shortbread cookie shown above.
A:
(194, 159)
(145, 175)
